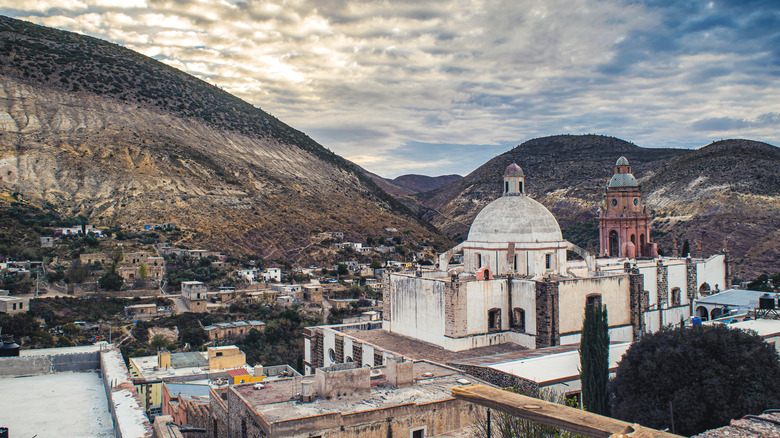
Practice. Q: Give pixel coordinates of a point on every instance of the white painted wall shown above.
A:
(482, 296)
(572, 295)
(524, 296)
(678, 277)
(417, 308)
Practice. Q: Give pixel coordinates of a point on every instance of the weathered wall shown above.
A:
(614, 292)
(437, 418)
(335, 381)
(417, 307)
(36, 365)
(524, 297)
(481, 296)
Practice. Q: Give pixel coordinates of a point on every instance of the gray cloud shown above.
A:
(384, 83)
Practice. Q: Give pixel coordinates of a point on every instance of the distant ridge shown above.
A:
(727, 192)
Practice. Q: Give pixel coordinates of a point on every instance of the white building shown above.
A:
(516, 286)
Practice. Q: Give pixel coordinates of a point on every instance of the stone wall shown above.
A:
(639, 302)
(662, 281)
(691, 281)
(498, 378)
(454, 309)
(547, 314)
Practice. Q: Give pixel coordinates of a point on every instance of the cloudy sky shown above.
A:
(441, 86)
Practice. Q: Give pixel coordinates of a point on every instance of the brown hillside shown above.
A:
(102, 131)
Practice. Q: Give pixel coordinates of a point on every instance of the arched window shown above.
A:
(593, 300)
(676, 296)
(520, 186)
(614, 242)
(515, 263)
(519, 320)
(332, 355)
(494, 319)
(479, 261)
(548, 261)
(506, 186)
(701, 312)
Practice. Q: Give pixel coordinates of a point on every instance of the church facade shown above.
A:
(516, 286)
(624, 224)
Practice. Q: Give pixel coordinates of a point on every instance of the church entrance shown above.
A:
(614, 249)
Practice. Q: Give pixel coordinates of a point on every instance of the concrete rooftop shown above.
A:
(419, 350)
(273, 401)
(55, 405)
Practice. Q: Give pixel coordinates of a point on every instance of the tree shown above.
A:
(375, 263)
(342, 269)
(594, 360)
(77, 272)
(686, 249)
(111, 280)
(143, 271)
(697, 378)
(195, 336)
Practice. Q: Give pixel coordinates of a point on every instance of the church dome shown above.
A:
(622, 180)
(514, 170)
(622, 161)
(517, 219)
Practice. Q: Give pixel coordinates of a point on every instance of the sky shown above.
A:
(441, 86)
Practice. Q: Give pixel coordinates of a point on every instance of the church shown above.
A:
(517, 286)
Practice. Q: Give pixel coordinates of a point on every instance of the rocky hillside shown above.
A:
(724, 193)
(99, 130)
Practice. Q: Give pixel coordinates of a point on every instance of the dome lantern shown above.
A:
(514, 180)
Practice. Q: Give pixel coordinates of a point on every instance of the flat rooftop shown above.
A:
(418, 350)
(275, 404)
(183, 364)
(55, 405)
(556, 367)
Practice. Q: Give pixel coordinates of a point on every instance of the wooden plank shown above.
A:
(551, 414)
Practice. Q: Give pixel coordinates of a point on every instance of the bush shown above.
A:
(706, 375)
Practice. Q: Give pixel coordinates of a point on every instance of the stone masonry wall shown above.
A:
(639, 301)
(691, 279)
(454, 309)
(662, 283)
(547, 333)
(498, 378)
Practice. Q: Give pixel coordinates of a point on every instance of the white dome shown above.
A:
(517, 219)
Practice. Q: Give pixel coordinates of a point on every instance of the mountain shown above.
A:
(406, 185)
(422, 183)
(95, 129)
(724, 193)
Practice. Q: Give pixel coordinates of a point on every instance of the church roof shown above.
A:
(622, 161)
(515, 219)
(622, 180)
(514, 170)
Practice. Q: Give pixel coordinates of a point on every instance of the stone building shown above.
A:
(401, 399)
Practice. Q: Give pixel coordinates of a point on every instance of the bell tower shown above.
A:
(624, 225)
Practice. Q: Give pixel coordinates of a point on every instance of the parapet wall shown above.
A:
(48, 364)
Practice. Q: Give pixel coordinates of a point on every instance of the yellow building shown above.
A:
(148, 372)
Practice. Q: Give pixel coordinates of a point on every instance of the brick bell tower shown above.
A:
(624, 226)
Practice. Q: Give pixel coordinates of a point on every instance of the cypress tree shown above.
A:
(594, 360)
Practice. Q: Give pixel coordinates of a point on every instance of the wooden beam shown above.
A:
(552, 414)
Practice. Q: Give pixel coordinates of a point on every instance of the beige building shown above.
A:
(400, 399)
(12, 305)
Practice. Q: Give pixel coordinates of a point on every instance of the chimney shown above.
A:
(399, 372)
(164, 359)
